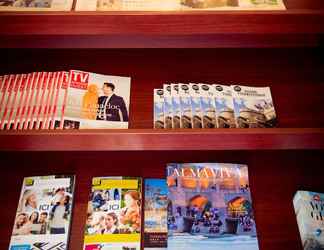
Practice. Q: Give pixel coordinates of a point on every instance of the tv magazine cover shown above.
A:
(44, 213)
(210, 207)
(224, 106)
(36, 5)
(155, 214)
(182, 5)
(253, 107)
(97, 101)
(309, 207)
(158, 108)
(208, 106)
(114, 214)
(168, 109)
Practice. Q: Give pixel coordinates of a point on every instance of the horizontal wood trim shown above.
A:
(149, 139)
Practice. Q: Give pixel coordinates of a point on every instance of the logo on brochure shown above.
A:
(79, 79)
(237, 88)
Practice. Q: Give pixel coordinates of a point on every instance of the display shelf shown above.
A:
(300, 25)
(295, 76)
(280, 49)
(150, 139)
(274, 178)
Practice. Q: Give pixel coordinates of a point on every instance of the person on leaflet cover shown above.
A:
(111, 106)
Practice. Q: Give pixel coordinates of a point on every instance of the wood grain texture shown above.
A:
(300, 25)
(162, 41)
(163, 23)
(148, 140)
(274, 177)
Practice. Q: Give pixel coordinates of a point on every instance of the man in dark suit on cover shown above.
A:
(111, 107)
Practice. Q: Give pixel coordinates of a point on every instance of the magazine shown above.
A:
(310, 218)
(36, 5)
(44, 213)
(96, 101)
(24, 104)
(61, 101)
(8, 88)
(185, 106)
(20, 98)
(210, 207)
(114, 214)
(30, 100)
(207, 106)
(49, 113)
(178, 5)
(224, 106)
(155, 214)
(195, 94)
(253, 107)
(8, 122)
(175, 96)
(168, 109)
(35, 101)
(158, 108)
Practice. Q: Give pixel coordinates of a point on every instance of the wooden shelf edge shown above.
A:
(154, 140)
(162, 23)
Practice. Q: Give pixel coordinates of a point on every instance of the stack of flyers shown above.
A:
(224, 106)
(44, 213)
(158, 108)
(185, 106)
(114, 214)
(208, 106)
(201, 105)
(178, 5)
(63, 100)
(253, 107)
(175, 105)
(196, 112)
(168, 109)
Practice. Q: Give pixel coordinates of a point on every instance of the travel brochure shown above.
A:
(197, 206)
(139, 5)
(200, 105)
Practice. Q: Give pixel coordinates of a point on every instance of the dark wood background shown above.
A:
(283, 50)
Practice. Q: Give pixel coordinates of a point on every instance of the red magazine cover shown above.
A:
(65, 88)
(22, 91)
(22, 119)
(29, 100)
(7, 102)
(56, 98)
(35, 100)
(51, 100)
(32, 100)
(13, 105)
(47, 100)
(41, 102)
(3, 92)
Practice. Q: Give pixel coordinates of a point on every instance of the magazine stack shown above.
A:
(200, 105)
(63, 100)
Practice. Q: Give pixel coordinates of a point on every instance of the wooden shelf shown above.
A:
(280, 49)
(150, 140)
(295, 27)
(274, 178)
